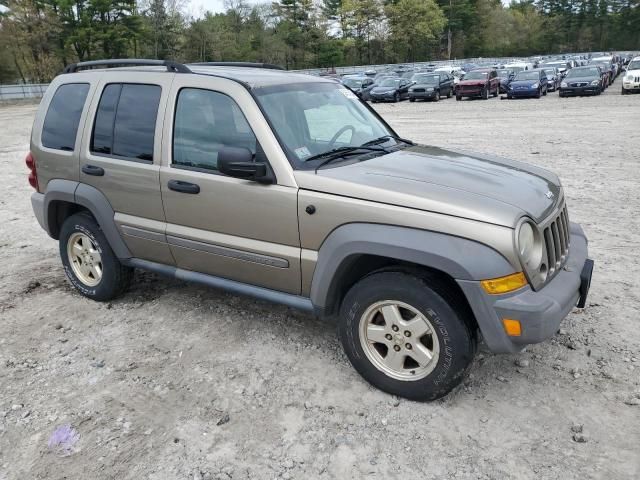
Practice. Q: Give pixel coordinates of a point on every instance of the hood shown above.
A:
(527, 83)
(382, 89)
(635, 72)
(473, 82)
(476, 187)
(588, 78)
(425, 85)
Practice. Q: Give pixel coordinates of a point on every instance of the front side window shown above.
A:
(125, 122)
(63, 116)
(205, 122)
(313, 118)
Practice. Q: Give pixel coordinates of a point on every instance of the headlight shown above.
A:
(595, 83)
(535, 85)
(529, 246)
(430, 89)
(563, 84)
(629, 77)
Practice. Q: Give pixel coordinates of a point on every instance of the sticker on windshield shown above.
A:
(302, 152)
(348, 93)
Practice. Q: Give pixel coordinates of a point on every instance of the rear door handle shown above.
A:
(183, 187)
(93, 170)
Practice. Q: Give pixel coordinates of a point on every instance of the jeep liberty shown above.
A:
(288, 188)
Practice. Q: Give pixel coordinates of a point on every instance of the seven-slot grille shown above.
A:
(556, 240)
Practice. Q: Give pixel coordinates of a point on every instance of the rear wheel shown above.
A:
(89, 263)
(407, 335)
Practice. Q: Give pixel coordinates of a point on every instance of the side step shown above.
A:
(274, 296)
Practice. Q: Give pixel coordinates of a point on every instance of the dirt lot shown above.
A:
(178, 381)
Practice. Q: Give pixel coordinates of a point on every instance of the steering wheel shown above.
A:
(340, 132)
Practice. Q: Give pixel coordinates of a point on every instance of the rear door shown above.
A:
(219, 225)
(121, 156)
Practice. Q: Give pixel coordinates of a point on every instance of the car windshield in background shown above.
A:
(584, 72)
(390, 82)
(549, 73)
(428, 79)
(328, 116)
(504, 73)
(476, 76)
(635, 65)
(534, 75)
(352, 82)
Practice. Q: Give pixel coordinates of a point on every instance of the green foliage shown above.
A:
(39, 37)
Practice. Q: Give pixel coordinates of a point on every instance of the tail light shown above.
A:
(31, 165)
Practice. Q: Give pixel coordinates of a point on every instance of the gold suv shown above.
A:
(288, 188)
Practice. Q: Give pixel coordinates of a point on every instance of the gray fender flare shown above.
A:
(460, 258)
(93, 200)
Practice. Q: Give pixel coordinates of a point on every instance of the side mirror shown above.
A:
(238, 162)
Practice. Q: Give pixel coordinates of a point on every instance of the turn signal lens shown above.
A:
(512, 327)
(512, 282)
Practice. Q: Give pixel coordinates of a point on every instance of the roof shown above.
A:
(250, 74)
(256, 77)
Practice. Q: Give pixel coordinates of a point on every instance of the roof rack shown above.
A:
(171, 65)
(269, 66)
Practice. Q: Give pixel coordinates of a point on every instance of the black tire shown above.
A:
(539, 94)
(458, 98)
(115, 277)
(451, 324)
(396, 98)
(449, 93)
(485, 94)
(495, 94)
(545, 92)
(412, 99)
(436, 98)
(623, 91)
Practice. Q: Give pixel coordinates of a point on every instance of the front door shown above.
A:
(219, 225)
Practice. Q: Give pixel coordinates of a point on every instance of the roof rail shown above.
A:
(171, 65)
(269, 66)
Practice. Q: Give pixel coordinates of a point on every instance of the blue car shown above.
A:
(528, 83)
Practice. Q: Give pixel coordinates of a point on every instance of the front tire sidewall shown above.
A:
(457, 344)
(112, 280)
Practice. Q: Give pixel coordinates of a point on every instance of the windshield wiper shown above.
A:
(384, 138)
(341, 152)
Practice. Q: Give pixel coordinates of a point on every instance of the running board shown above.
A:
(274, 296)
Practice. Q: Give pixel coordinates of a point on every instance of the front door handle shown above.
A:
(93, 170)
(183, 187)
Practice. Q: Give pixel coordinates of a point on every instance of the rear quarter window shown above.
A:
(63, 116)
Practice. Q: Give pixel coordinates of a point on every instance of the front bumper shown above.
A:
(470, 92)
(631, 86)
(588, 90)
(382, 97)
(525, 92)
(540, 313)
(423, 95)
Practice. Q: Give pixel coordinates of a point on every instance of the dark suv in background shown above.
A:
(431, 86)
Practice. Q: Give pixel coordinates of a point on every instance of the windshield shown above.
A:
(314, 118)
(389, 82)
(635, 65)
(534, 75)
(352, 82)
(428, 79)
(476, 76)
(584, 72)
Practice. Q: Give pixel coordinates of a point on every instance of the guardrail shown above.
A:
(20, 91)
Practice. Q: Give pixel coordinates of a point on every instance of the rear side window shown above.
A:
(62, 119)
(125, 122)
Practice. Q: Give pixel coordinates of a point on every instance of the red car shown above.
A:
(481, 82)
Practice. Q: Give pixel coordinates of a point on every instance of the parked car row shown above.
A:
(569, 75)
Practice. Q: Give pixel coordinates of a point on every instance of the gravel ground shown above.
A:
(178, 381)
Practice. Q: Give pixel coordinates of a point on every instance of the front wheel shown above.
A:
(396, 98)
(458, 97)
(407, 335)
(89, 263)
(437, 97)
(412, 99)
(449, 93)
(485, 94)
